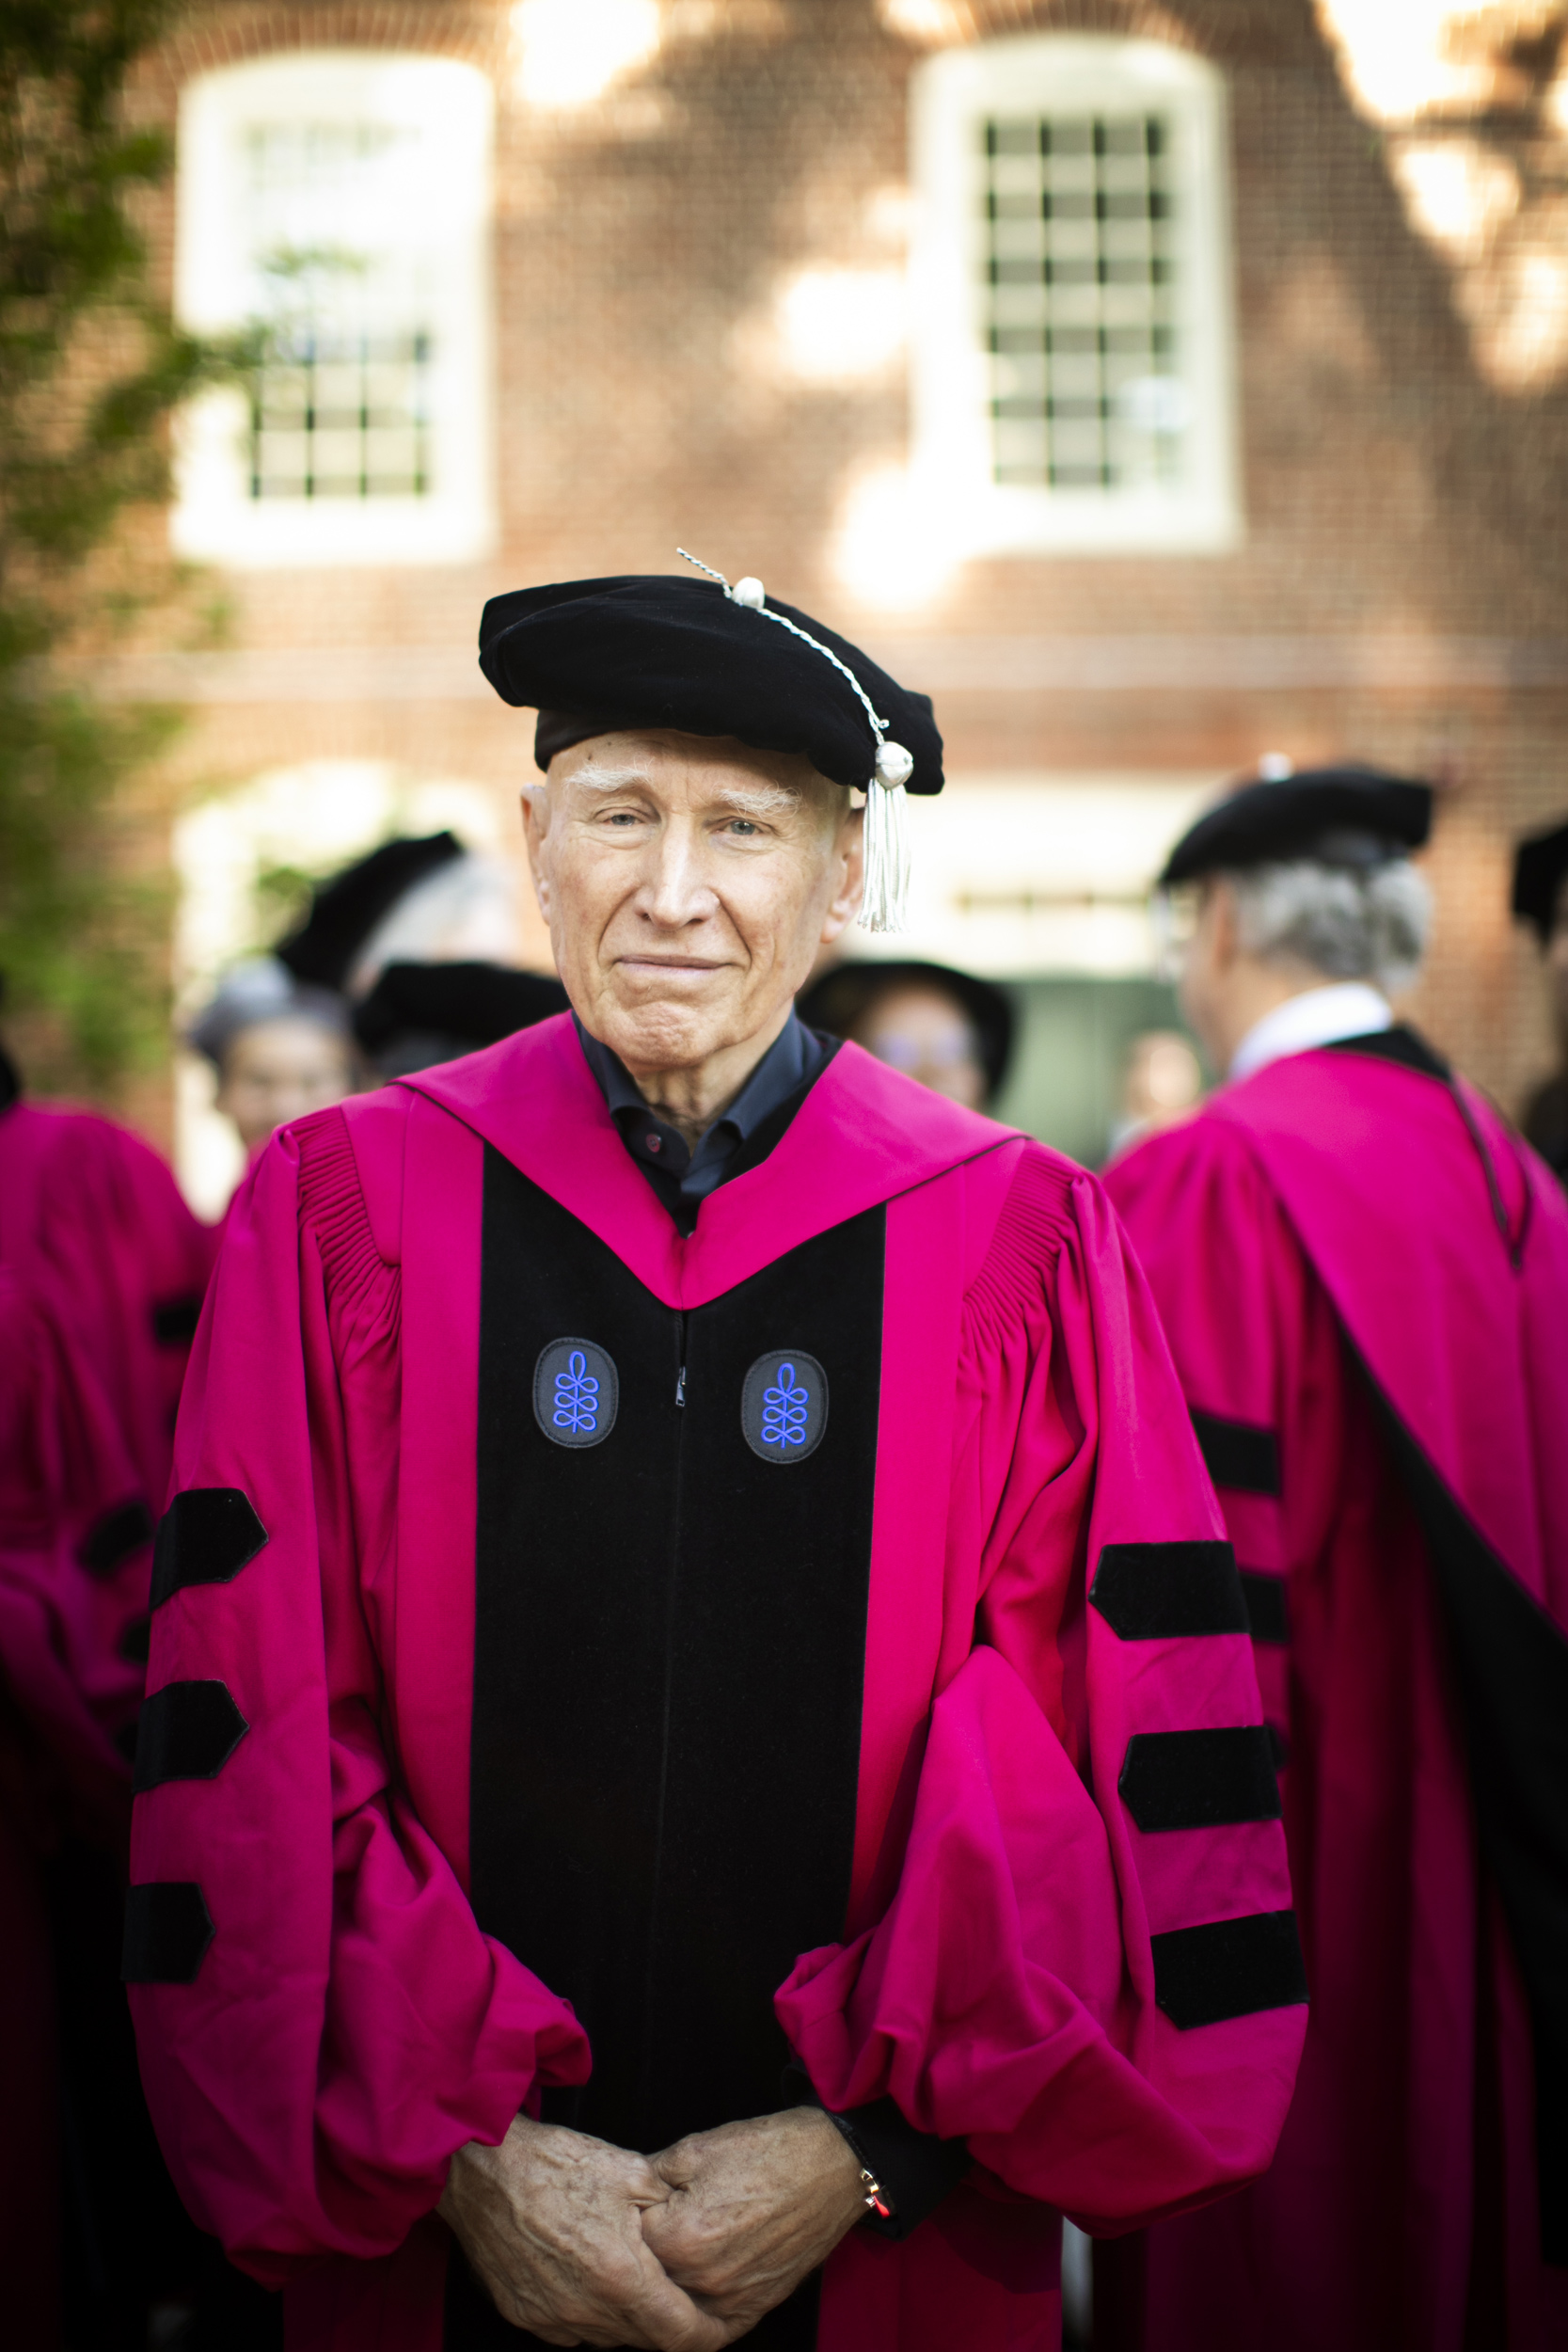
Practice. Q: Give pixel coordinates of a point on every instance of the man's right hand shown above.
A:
(552, 2223)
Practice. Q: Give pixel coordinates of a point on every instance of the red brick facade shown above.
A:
(1400, 590)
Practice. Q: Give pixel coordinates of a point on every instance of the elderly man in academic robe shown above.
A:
(1363, 1274)
(702, 1725)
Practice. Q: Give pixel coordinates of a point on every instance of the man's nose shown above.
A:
(674, 890)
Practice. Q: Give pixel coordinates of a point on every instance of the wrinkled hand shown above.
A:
(551, 2222)
(752, 2208)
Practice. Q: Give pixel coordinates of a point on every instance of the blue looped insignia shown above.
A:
(784, 1406)
(577, 1392)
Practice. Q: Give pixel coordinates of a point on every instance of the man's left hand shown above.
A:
(755, 2206)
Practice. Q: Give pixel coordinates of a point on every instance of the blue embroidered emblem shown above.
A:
(576, 1392)
(786, 1409)
(577, 1396)
(784, 1406)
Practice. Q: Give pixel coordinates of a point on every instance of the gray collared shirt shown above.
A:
(683, 1178)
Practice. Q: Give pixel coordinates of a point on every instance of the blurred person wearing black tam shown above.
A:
(946, 1029)
(678, 1532)
(420, 935)
(1363, 1275)
(1540, 899)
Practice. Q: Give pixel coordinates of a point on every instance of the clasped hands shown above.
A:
(584, 2243)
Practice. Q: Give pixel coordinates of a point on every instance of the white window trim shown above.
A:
(1063, 74)
(213, 517)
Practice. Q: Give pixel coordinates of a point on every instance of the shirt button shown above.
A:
(653, 1143)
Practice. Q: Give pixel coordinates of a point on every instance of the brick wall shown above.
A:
(1395, 497)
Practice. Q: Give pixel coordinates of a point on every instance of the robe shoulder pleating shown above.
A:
(1019, 1637)
(1364, 1282)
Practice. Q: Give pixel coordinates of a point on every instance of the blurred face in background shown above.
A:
(276, 1070)
(1164, 1081)
(925, 1034)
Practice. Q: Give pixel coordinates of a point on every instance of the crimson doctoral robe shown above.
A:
(101, 1269)
(589, 1664)
(1364, 1278)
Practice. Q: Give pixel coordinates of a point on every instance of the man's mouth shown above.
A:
(667, 964)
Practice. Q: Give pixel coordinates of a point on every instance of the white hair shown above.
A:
(1367, 923)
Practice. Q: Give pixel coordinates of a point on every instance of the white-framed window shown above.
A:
(339, 200)
(1072, 302)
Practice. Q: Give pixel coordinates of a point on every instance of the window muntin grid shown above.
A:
(341, 407)
(1081, 302)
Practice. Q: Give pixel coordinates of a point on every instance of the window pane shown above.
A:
(351, 338)
(1077, 244)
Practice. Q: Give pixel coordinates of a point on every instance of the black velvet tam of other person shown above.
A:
(1345, 815)
(421, 1013)
(1539, 870)
(346, 910)
(847, 992)
(653, 650)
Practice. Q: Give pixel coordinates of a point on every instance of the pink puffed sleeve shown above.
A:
(321, 2020)
(1088, 1967)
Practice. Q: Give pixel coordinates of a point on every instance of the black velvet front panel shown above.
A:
(669, 1660)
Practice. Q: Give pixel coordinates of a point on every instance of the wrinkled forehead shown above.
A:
(692, 770)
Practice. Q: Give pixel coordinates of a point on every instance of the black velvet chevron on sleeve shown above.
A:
(1164, 1592)
(1228, 1968)
(136, 1640)
(188, 1731)
(1238, 1453)
(206, 1536)
(167, 1930)
(174, 1320)
(110, 1541)
(1268, 1606)
(1200, 1779)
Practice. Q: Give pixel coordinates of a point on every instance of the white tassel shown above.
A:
(885, 903)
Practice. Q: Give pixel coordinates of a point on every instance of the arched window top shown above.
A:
(340, 200)
(1073, 378)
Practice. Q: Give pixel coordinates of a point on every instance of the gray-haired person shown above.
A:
(282, 1048)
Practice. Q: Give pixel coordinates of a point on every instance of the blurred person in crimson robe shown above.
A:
(1363, 1275)
(101, 1272)
(1540, 899)
(946, 1029)
(704, 1775)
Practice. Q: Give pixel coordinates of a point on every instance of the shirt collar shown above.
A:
(795, 1055)
(1319, 1016)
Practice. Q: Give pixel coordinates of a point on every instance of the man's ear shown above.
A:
(536, 817)
(1225, 931)
(850, 847)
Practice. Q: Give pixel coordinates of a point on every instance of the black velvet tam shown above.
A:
(1539, 869)
(849, 992)
(472, 1003)
(346, 910)
(1349, 816)
(654, 650)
